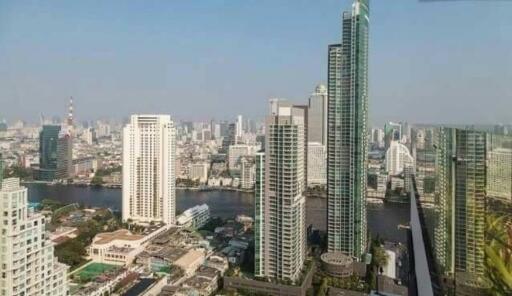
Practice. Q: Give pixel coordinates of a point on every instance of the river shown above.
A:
(382, 219)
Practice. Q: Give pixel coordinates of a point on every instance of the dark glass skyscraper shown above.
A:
(48, 139)
(347, 143)
(55, 154)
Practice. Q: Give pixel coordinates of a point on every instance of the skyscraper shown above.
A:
(461, 203)
(443, 198)
(55, 154)
(229, 137)
(29, 266)
(347, 141)
(239, 128)
(280, 203)
(69, 121)
(259, 218)
(499, 173)
(149, 148)
(392, 132)
(317, 116)
(398, 158)
(64, 156)
(48, 139)
(1, 170)
(472, 208)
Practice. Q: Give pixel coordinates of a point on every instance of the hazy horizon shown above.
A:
(435, 62)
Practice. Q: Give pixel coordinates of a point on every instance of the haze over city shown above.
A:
(430, 62)
(256, 148)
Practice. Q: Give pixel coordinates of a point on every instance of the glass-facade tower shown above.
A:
(347, 143)
(48, 142)
(472, 210)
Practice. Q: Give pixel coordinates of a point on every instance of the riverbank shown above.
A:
(383, 219)
(119, 186)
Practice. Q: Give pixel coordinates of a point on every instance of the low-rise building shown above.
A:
(205, 281)
(62, 234)
(121, 246)
(195, 217)
(190, 261)
(85, 165)
(218, 262)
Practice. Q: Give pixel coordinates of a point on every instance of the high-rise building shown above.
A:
(149, 153)
(235, 152)
(55, 154)
(499, 174)
(247, 172)
(317, 162)
(229, 137)
(444, 191)
(239, 127)
(64, 157)
(398, 158)
(259, 218)
(29, 266)
(377, 138)
(347, 141)
(198, 172)
(392, 132)
(69, 121)
(1, 170)
(216, 131)
(460, 200)
(472, 194)
(48, 139)
(89, 135)
(317, 116)
(280, 202)
(301, 111)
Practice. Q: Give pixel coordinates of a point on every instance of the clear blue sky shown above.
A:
(430, 62)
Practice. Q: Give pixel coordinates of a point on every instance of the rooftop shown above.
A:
(337, 258)
(122, 234)
(190, 257)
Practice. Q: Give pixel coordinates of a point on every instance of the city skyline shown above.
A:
(157, 56)
(163, 173)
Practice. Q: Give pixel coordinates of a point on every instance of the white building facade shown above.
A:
(195, 217)
(149, 156)
(317, 164)
(317, 115)
(247, 172)
(198, 172)
(280, 230)
(397, 158)
(29, 267)
(234, 154)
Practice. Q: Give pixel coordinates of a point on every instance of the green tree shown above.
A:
(16, 171)
(322, 290)
(379, 256)
(97, 180)
(498, 251)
